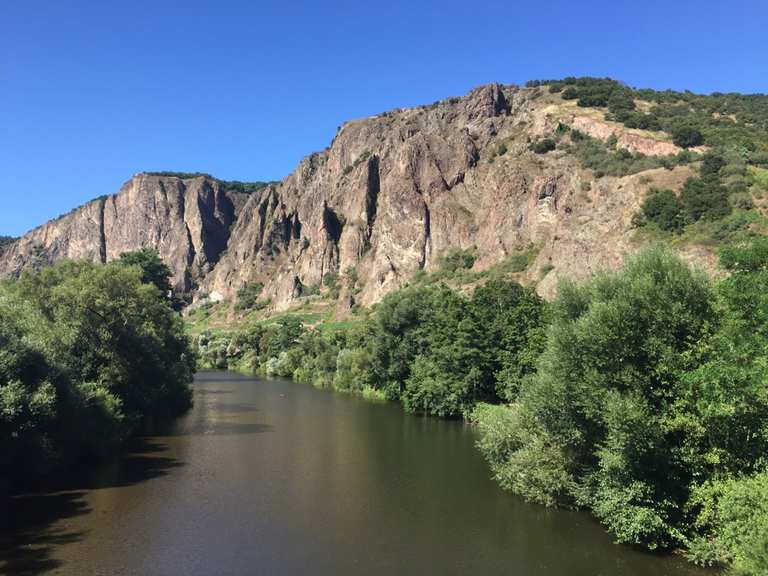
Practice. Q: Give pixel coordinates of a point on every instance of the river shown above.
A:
(272, 477)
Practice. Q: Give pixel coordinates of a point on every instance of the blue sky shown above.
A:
(92, 92)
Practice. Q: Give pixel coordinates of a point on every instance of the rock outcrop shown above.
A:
(389, 197)
(187, 221)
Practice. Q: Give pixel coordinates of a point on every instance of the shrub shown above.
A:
(248, 296)
(687, 136)
(663, 208)
(544, 145)
(705, 199)
(458, 259)
(743, 519)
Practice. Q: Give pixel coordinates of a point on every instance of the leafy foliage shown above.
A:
(649, 406)
(663, 208)
(153, 269)
(248, 296)
(686, 136)
(88, 354)
(544, 145)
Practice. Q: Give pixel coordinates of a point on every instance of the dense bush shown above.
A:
(88, 355)
(649, 407)
(543, 146)
(248, 296)
(705, 198)
(663, 208)
(687, 136)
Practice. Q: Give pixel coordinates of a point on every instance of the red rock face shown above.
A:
(634, 142)
(388, 198)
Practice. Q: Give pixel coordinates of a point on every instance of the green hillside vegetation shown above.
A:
(722, 202)
(89, 354)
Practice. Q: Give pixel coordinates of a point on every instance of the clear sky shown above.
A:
(92, 92)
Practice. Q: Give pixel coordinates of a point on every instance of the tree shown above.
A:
(451, 373)
(88, 354)
(400, 333)
(153, 269)
(687, 136)
(663, 208)
(705, 199)
(620, 103)
(601, 405)
(511, 322)
(289, 330)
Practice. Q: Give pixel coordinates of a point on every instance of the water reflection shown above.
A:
(270, 477)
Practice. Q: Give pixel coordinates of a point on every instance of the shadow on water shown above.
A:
(33, 524)
(26, 533)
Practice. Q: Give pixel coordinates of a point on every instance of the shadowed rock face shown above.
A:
(390, 195)
(187, 221)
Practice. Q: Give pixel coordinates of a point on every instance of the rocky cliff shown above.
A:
(187, 221)
(390, 196)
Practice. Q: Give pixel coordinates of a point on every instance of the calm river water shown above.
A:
(271, 477)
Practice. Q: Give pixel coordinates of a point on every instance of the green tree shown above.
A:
(511, 325)
(687, 136)
(663, 208)
(153, 269)
(601, 404)
(705, 199)
(88, 354)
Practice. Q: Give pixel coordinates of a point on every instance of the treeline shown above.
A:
(431, 348)
(89, 354)
(229, 185)
(641, 395)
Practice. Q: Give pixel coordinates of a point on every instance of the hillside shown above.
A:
(552, 176)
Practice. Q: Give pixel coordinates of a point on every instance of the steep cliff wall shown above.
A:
(395, 192)
(390, 196)
(187, 221)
